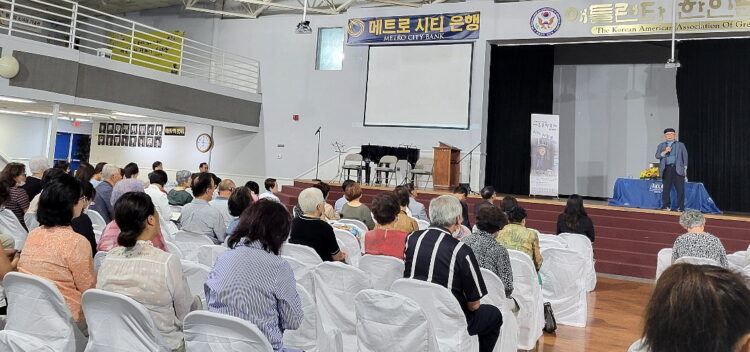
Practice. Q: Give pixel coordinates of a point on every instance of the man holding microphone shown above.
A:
(673, 162)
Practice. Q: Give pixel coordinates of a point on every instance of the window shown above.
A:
(330, 54)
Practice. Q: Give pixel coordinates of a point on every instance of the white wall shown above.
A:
(23, 137)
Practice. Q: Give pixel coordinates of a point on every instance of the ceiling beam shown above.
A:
(345, 5)
(291, 7)
(399, 3)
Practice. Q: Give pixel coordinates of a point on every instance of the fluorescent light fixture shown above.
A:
(76, 113)
(12, 112)
(71, 119)
(16, 100)
(126, 114)
(39, 113)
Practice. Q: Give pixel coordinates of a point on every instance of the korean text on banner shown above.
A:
(405, 29)
(545, 147)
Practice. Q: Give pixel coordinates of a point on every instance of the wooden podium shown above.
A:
(446, 168)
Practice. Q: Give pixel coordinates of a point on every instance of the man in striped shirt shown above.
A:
(433, 255)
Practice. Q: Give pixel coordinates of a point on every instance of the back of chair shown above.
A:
(10, 225)
(303, 273)
(390, 160)
(207, 331)
(424, 163)
(99, 259)
(384, 270)
(336, 284)
(354, 222)
(30, 220)
(495, 289)
(168, 229)
(528, 294)
(189, 242)
(696, 261)
(119, 323)
(390, 322)
(208, 253)
(302, 253)
(312, 335)
(582, 245)
(96, 219)
(14, 341)
(196, 275)
(350, 245)
(547, 240)
(508, 341)
(423, 224)
(172, 248)
(353, 158)
(564, 286)
(663, 261)
(37, 308)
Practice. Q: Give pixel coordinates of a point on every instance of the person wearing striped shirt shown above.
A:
(434, 255)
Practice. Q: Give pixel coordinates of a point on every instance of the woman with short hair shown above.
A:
(240, 200)
(354, 209)
(82, 224)
(178, 195)
(574, 219)
(696, 242)
(404, 222)
(490, 254)
(130, 170)
(516, 236)
(386, 238)
(14, 176)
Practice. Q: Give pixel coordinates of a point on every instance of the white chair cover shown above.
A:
(528, 294)
(303, 273)
(447, 318)
(336, 284)
(508, 341)
(302, 253)
(582, 244)
(390, 322)
(14, 341)
(208, 253)
(696, 261)
(214, 332)
(37, 308)
(30, 220)
(354, 222)
(549, 241)
(117, 323)
(564, 286)
(10, 225)
(168, 228)
(172, 248)
(99, 259)
(384, 270)
(312, 336)
(423, 224)
(737, 260)
(189, 242)
(350, 245)
(663, 261)
(196, 275)
(96, 219)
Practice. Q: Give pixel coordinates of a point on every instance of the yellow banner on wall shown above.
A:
(156, 50)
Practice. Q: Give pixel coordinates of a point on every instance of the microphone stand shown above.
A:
(462, 159)
(317, 163)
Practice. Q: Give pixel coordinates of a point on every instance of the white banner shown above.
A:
(545, 154)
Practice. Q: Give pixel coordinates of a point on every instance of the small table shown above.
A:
(636, 193)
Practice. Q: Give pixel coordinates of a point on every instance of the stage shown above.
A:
(627, 239)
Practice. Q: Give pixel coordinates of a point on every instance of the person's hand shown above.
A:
(669, 149)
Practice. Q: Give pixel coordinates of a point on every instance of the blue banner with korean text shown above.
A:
(405, 29)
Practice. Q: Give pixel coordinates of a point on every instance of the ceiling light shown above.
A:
(126, 114)
(39, 113)
(76, 113)
(73, 119)
(16, 100)
(12, 112)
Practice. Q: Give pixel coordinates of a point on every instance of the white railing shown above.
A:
(65, 23)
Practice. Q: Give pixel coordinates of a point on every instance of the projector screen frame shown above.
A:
(468, 105)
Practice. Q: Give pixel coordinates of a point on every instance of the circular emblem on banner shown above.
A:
(546, 21)
(355, 28)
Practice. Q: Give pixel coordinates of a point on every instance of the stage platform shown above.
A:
(627, 239)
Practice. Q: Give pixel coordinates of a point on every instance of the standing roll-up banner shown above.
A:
(545, 147)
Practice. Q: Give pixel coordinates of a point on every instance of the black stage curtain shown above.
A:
(520, 85)
(713, 90)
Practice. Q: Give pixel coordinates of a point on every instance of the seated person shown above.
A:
(56, 253)
(462, 193)
(33, 185)
(178, 195)
(130, 170)
(329, 213)
(354, 209)
(574, 219)
(155, 190)
(251, 281)
(254, 188)
(82, 224)
(47, 177)
(404, 222)
(112, 231)
(111, 175)
(309, 230)
(516, 236)
(222, 201)
(240, 200)
(490, 254)
(696, 242)
(386, 238)
(198, 216)
(416, 209)
(148, 275)
(508, 203)
(13, 176)
(488, 197)
(272, 186)
(341, 201)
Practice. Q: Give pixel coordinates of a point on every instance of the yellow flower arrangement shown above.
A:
(650, 174)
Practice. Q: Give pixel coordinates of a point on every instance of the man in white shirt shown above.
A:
(199, 217)
(155, 190)
(271, 187)
(222, 201)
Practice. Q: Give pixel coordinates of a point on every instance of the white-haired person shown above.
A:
(178, 195)
(221, 201)
(696, 242)
(102, 204)
(33, 185)
(433, 255)
(309, 230)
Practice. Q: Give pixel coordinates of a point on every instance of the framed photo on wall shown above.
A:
(102, 128)
(125, 128)
(133, 129)
(101, 139)
(142, 129)
(150, 130)
(124, 141)
(142, 141)
(149, 142)
(133, 141)
(159, 129)
(116, 141)
(118, 128)
(157, 142)
(110, 128)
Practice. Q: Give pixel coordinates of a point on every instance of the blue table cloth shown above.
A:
(636, 193)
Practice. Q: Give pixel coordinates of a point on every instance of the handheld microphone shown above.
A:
(318, 131)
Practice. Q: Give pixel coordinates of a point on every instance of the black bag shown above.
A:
(550, 325)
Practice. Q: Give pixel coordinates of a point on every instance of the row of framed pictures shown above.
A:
(131, 129)
(117, 140)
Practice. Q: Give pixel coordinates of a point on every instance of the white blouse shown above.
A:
(153, 278)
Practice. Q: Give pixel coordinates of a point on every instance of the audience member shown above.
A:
(386, 238)
(82, 224)
(701, 308)
(155, 190)
(416, 208)
(403, 222)
(148, 275)
(178, 195)
(354, 209)
(490, 254)
(251, 281)
(84, 172)
(62, 165)
(53, 251)
(111, 175)
(516, 236)
(13, 177)
(488, 198)
(201, 218)
(193, 177)
(157, 165)
(110, 234)
(33, 185)
(7, 241)
(309, 230)
(341, 201)
(97, 178)
(508, 203)
(47, 177)
(240, 200)
(271, 187)
(130, 171)
(329, 213)
(696, 242)
(226, 187)
(574, 219)
(462, 193)
(203, 167)
(254, 188)
(434, 255)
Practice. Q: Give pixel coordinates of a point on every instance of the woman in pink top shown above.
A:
(112, 231)
(385, 239)
(53, 251)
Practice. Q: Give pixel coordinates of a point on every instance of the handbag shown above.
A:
(550, 325)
